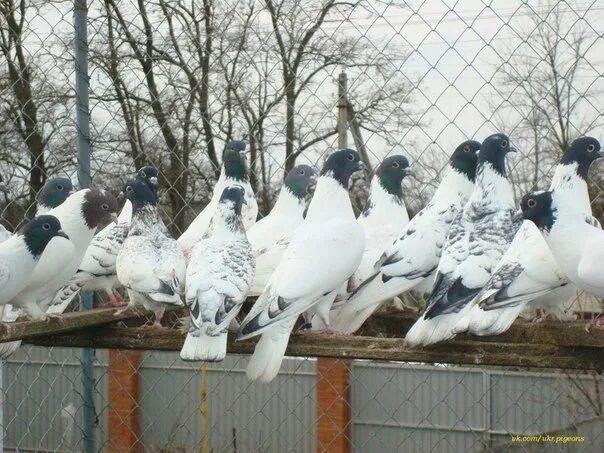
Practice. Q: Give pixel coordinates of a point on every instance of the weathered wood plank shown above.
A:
(395, 324)
(361, 347)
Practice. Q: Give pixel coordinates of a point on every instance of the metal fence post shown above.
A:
(85, 180)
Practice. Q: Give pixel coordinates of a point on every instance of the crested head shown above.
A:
(38, 232)
(150, 176)
(234, 161)
(493, 150)
(465, 158)
(139, 194)
(538, 208)
(341, 164)
(299, 179)
(55, 192)
(233, 197)
(99, 205)
(391, 172)
(583, 152)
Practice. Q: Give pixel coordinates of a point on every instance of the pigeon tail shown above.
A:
(8, 349)
(434, 330)
(203, 347)
(492, 322)
(348, 321)
(266, 361)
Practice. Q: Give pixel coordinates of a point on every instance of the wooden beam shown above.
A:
(460, 351)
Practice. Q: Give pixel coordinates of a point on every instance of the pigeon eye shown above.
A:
(46, 226)
(302, 172)
(143, 174)
(129, 189)
(591, 148)
(105, 206)
(531, 203)
(395, 165)
(350, 157)
(504, 143)
(466, 149)
(59, 187)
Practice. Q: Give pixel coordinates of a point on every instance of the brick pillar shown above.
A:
(123, 415)
(333, 406)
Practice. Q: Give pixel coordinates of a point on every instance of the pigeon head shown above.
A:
(537, 207)
(234, 196)
(465, 158)
(391, 172)
(98, 205)
(149, 175)
(3, 187)
(299, 179)
(55, 192)
(139, 194)
(341, 165)
(493, 150)
(233, 159)
(582, 151)
(38, 232)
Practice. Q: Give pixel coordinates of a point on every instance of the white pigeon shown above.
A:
(270, 236)
(477, 240)
(219, 274)
(576, 244)
(97, 269)
(322, 255)
(20, 254)
(54, 193)
(234, 171)
(80, 215)
(409, 262)
(150, 264)
(528, 275)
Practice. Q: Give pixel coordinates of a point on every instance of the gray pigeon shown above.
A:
(477, 240)
(150, 264)
(219, 275)
(54, 192)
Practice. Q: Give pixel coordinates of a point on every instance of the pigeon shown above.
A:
(577, 245)
(20, 254)
(322, 255)
(528, 273)
(54, 192)
(97, 269)
(234, 171)
(270, 236)
(150, 264)
(477, 239)
(410, 261)
(219, 274)
(80, 215)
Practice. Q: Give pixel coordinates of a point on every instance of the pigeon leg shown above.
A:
(114, 300)
(47, 317)
(597, 322)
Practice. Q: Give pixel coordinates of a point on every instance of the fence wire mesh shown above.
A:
(171, 82)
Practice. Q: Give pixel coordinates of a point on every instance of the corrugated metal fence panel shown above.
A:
(417, 408)
(42, 402)
(405, 407)
(276, 417)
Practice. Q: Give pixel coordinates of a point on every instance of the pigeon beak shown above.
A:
(600, 156)
(121, 196)
(408, 172)
(113, 217)
(62, 234)
(519, 216)
(153, 180)
(512, 149)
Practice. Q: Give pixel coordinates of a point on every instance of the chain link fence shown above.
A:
(170, 82)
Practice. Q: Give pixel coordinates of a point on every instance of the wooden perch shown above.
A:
(547, 344)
